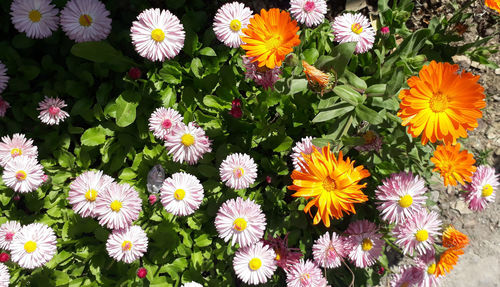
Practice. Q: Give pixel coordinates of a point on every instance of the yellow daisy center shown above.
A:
(329, 184)
(431, 269)
(126, 245)
(30, 246)
(405, 201)
(367, 244)
(438, 102)
(278, 257)
(116, 205)
(179, 194)
(422, 235)
(187, 140)
(255, 264)
(21, 175)
(91, 194)
(487, 190)
(238, 172)
(15, 152)
(239, 224)
(35, 16)
(85, 20)
(158, 35)
(235, 25)
(305, 277)
(356, 28)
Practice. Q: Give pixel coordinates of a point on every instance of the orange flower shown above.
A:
(441, 104)
(448, 259)
(454, 238)
(315, 76)
(332, 182)
(493, 4)
(270, 36)
(453, 164)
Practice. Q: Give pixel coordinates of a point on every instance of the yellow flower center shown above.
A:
(356, 28)
(235, 25)
(187, 140)
(85, 20)
(238, 172)
(487, 190)
(116, 205)
(15, 152)
(305, 278)
(158, 35)
(367, 244)
(422, 235)
(21, 175)
(329, 184)
(255, 264)
(126, 245)
(278, 257)
(179, 194)
(35, 16)
(405, 284)
(239, 224)
(91, 194)
(273, 42)
(431, 269)
(405, 201)
(438, 102)
(30, 246)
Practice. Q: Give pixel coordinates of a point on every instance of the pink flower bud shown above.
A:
(4, 257)
(134, 73)
(142, 272)
(152, 199)
(385, 30)
(236, 112)
(268, 179)
(236, 103)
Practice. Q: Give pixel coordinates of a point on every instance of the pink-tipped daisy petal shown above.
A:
(163, 121)
(33, 246)
(86, 20)
(18, 145)
(308, 12)
(7, 232)
(84, 191)
(238, 171)
(4, 276)
(51, 112)
(23, 174)
(481, 191)
(329, 250)
(364, 242)
(304, 146)
(354, 28)
(418, 232)
(37, 18)
(187, 143)
(118, 206)
(127, 244)
(181, 194)
(228, 22)
(305, 274)
(407, 276)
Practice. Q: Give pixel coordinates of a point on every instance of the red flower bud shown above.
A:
(142, 272)
(268, 179)
(152, 199)
(236, 112)
(4, 257)
(134, 73)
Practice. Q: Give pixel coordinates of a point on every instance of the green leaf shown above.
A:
(341, 55)
(297, 86)
(354, 80)
(207, 51)
(127, 174)
(215, 102)
(369, 115)
(197, 68)
(126, 105)
(348, 94)
(93, 136)
(310, 55)
(61, 278)
(171, 74)
(102, 52)
(284, 145)
(336, 110)
(203, 240)
(376, 90)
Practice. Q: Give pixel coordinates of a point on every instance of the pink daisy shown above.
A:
(7, 232)
(118, 206)
(427, 265)
(33, 246)
(4, 79)
(372, 142)
(310, 12)
(181, 194)
(11, 148)
(261, 76)
(187, 143)
(328, 251)
(4, 105)
(305, 274)
(163, 121)
(400, 196)
(304, 146)
(254, 264)
(85, 20)
(240, 221)
(127, 244)
(23, 174)
(407, 276)
(238, 171)
(354, 28)
(482, 189)
(418, 232)
(4, 276)
(84, 191)
(157, 34)
(37, 18)
(285, 256)
(51, 112)
(364, 243)
(228, 22)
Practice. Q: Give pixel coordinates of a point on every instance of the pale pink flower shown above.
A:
(328, 251)
(128, 244)
(157, 34)
(418, 232)
(23, 174)
(187, 143)
(4, 105)
(228, 22)
(309, 12)
(7, 232)
(481, 191)
(407, 276)
(37, 18)
(305, 274)
(254, 264)
(181, 194)
(364, 242)
(85, 20)
(304, 146)
(354, 28)
(84, 192)
(33, 246)
(118, 206)
(238, 171)
(4, 79)
(241, 221)
(427, 264)
(11, 148)
(262, 76)
(4, 276)
(163, 121)
(51, 112)
(285, 256)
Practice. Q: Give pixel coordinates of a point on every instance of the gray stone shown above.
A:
(461, 207)
(462, 60)
(497, 71)
(355, 5)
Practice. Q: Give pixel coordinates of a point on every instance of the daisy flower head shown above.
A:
(4, 276)
(482, 189)
(4, 79)
(254, 264)
(163, 121)
(37, 18)
(118, 206)
(181, 194)
(453, 164)
(400, 196)
(364, 243)
(238, 171)
(309, 12)
(228, 22)
(51, 112)
(187, 143)
(128, 244)
(305, 274)
(407, 276)
(328, 250)
(285, 256)
(241, 221)
(427, 265)
(18, 145)
(192, 284)
(33, 246)
(7, 232)
(418, 232)
(354, 28)
(4, 105)
(85, 20)
(270, 36)
(84, 190)
(372, 142)
(157, 34)
(304, 146)
(493, 4)
(23, 174)
(264, 77)
(453, 238)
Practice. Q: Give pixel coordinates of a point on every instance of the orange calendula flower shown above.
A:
(441, 104)
(331, 182)
(493, 4)
(270, 36)
(454, 238)
(316, 77)
(448, 259)
(453, 164)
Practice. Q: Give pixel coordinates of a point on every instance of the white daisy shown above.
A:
(16, 146)
(84, 190)
(85, 20)
(23, 174)
(33, 246)
(37, 18)
(255, 264)
(118, 206)
(163, 121)
(4, 276)
(304, 146)
(238, 171)
(187, 143)
(127, 244)
(228, 22)
(181, 194)
(7, 232)
(309, 12)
